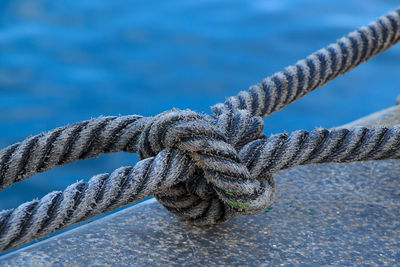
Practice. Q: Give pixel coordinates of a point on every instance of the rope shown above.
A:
(283, 88)
(205, 169)
(67, 144)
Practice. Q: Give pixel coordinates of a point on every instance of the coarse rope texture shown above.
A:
(204, 168)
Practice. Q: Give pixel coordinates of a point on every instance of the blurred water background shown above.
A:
(66, 61)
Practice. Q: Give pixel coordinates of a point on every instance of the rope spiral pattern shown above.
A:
(204, 168)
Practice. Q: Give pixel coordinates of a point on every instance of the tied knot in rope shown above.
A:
(219, 185)
(205, 169)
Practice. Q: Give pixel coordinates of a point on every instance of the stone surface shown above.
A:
(386, 117)
(328, 214)
(331, 214)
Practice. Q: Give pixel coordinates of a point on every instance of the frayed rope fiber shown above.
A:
(203, 168)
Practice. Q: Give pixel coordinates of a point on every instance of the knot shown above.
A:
(222, 182)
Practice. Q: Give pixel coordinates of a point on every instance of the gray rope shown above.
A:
(285, 87)
(175, 144)
(205, 169)
(81, 200)
(67, 144)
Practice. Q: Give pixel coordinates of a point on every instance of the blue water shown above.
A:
(66, 61)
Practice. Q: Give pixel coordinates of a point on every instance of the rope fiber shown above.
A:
(203, 168)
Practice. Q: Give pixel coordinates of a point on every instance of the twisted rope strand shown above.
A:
(205, 169)
(67, 144)
(80, 201)
(285, 87)
(283, 151)
(155, 175)
(111, 134)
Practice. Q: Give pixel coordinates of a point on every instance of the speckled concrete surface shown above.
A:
(330, 214)
(386, 117)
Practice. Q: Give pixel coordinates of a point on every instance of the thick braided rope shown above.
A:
(79, 201)
(128, 184)
(67, 144)
(181, 142)
(206, 169)
(284, 87)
